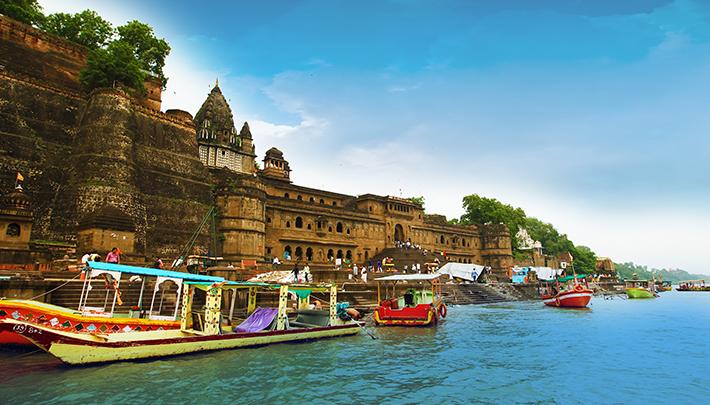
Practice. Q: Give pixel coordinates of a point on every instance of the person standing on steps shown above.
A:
(114, 256)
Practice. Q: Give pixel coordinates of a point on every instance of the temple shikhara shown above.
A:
(106, 169)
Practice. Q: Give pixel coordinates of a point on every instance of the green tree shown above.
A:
(417, 200)
(584, 260)
(149, 51)
(481, 210)
(112, 66)
(553, 242)
(86, 28)
(26, 11)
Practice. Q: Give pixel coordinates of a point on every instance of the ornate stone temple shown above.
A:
(106, 168)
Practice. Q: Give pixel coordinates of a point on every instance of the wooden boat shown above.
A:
(198, 332)
(693, 285)
(102, 318)
(640, 289)
(420, 305)
(567, 292)
(663, 286)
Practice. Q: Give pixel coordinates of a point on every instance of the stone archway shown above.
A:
(398, 233)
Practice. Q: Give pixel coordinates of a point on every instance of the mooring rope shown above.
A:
(56, 288)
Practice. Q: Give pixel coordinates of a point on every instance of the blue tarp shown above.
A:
(145, 271)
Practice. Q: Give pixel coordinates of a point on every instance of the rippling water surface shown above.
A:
(619, 351)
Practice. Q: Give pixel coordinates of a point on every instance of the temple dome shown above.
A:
(16, 200)
(274, 153)
(214, 120)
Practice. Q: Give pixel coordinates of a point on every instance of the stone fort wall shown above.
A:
(80, 152)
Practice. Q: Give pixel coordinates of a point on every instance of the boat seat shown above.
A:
(311, 318)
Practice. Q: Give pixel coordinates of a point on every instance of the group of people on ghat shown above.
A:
(114, 256)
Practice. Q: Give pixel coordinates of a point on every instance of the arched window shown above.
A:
(309, 226)
(288, 224)
(299, 253)
(322, 201)
(309, 254)
(339, 227)
(299, 222)
(330, 254)
(330, 229)
(347, 231)
(441, 240)
(286, 195)
(287, 253)
(463, 242)
(367, 255)
(334, 203)
(340, 254)
(13, 230)
(311, 199)
(299, 197)
(349, 255)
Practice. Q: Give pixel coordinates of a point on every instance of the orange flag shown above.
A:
(20, 177)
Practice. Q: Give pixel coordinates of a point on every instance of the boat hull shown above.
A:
(569, 299)
(421, 315)
(639, 293)
(64, 319)
(77, 349)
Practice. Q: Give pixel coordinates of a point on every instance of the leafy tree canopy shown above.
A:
(482, 210)
(552, 241)
(26, 11)
(86, 28)
(149, 51)
(112, 66)
(417, 200)
(584, 260)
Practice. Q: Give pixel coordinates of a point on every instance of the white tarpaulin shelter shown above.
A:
(468, 272)
(546, 273)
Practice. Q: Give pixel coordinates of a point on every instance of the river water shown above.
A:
(618, 351)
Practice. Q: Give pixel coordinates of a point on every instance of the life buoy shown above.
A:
(442, 311)
(578, 288)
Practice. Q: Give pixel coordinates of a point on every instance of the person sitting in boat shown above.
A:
(409, 298)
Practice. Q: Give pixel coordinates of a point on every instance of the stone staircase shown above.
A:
(465, 294)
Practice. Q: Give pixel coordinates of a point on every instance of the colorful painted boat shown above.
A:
(104, 319)
(567, 292)
(420, 305)
(640, 289)
(197, 333)
(693, 285)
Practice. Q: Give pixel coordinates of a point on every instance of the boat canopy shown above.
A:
(568, 278)
(468, 272)
(145, 271)
(409, 277)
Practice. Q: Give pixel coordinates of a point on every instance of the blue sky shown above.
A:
(591, 115)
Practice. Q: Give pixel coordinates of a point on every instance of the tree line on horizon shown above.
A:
(124, 55)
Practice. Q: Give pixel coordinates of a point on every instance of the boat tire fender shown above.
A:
(578, 288)
(442, 311)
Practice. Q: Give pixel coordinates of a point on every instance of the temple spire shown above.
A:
(216, 82)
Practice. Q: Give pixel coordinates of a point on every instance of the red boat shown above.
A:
(420, 305)
(567, 292)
